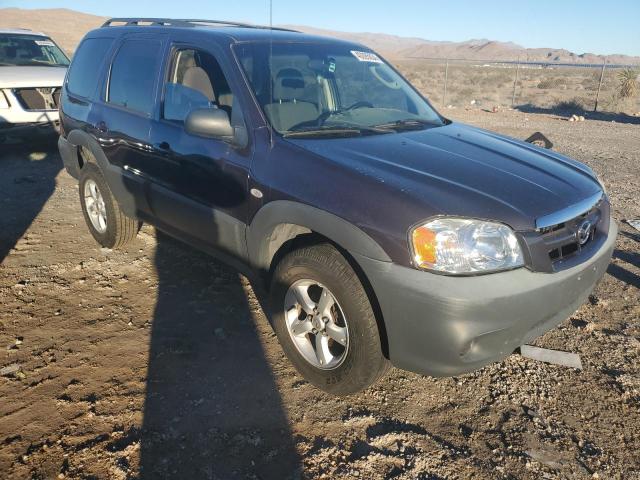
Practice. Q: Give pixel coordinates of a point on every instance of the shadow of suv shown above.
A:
(383, 232)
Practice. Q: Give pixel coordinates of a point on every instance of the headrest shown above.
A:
(289, 84)
(197, 78)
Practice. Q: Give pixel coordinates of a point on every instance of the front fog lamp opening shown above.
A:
(465, 246)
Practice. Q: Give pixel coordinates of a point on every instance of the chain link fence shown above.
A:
(544, 87)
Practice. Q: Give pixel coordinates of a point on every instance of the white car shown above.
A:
(32, 70)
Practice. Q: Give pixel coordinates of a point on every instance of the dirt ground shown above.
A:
(157, 362)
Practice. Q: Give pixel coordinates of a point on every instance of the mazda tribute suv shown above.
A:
(384, 233)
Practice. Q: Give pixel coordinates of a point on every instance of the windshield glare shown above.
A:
(307, 87)
(32, 50)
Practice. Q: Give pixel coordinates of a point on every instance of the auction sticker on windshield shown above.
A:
(366, 56)
(44, 43)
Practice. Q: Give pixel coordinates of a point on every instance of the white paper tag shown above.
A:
(44, 43)
(366, 56)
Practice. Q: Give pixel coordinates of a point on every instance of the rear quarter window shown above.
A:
(85, 68)
(134, 75)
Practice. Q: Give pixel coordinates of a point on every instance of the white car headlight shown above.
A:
(461, 246)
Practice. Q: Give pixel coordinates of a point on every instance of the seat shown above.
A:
(197, 79)
(288, 108)
(225, 101)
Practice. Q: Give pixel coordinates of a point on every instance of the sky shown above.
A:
(594, 26)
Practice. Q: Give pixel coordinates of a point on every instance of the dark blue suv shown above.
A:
(383, 232)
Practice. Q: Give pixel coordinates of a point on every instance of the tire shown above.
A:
(356, 366)
(117, 229)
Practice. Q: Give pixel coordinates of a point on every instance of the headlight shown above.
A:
(465, 246)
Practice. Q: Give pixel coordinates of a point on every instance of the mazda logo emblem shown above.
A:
(584, 232)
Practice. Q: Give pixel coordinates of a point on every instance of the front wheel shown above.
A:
(107, 223)
(324, 320)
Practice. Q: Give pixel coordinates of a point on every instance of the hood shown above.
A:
(462, 170)
(28, 76)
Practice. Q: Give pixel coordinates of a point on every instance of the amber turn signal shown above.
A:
(424, 246)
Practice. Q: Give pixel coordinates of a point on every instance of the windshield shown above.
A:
(331, 89)
(33, 50)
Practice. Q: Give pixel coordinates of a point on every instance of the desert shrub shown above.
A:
(628, 83)
(465, 93)
(591, 82)
(569, 106)
(547, 83)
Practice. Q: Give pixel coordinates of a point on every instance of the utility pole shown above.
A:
(515, 82)
(604, 64)
(446, 75)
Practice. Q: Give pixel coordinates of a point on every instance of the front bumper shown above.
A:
(442, 325)
(16, 120)
(29, 129)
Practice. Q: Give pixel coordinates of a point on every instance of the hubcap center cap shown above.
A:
(318, 323)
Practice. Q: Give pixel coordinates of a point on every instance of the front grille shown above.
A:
(38, 98)
(569, 238)
(562, 245)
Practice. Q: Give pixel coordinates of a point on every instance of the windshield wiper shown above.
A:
(407, 124)
(38, 63)
(336, 130)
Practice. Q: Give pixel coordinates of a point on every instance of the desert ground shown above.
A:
(549, 89)
(156, 361)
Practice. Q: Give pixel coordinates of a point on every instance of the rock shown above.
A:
(9, 369)
(35, 156)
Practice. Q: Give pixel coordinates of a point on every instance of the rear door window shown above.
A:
(134, 75)
(85, 70)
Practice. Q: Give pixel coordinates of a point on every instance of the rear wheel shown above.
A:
(324, 320)
(107, 223)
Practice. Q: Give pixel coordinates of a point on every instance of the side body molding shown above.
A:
(281, 220)
(114, 175)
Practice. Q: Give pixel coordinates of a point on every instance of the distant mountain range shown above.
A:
(68, 26)
(393, 46)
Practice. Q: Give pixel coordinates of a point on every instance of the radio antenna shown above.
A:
(271, 64)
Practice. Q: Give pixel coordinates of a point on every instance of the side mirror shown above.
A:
(209, 122)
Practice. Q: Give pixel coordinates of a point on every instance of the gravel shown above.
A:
(157, 362)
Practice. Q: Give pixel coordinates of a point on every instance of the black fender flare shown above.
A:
(282, 220)
(80, 138)
(113, 175)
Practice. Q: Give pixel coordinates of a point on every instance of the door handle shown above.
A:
(164, 149)
(102, 127)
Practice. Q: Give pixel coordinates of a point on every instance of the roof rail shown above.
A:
(181, 22)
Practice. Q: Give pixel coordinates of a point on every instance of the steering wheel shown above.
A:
(324, 115)
(360, 104)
